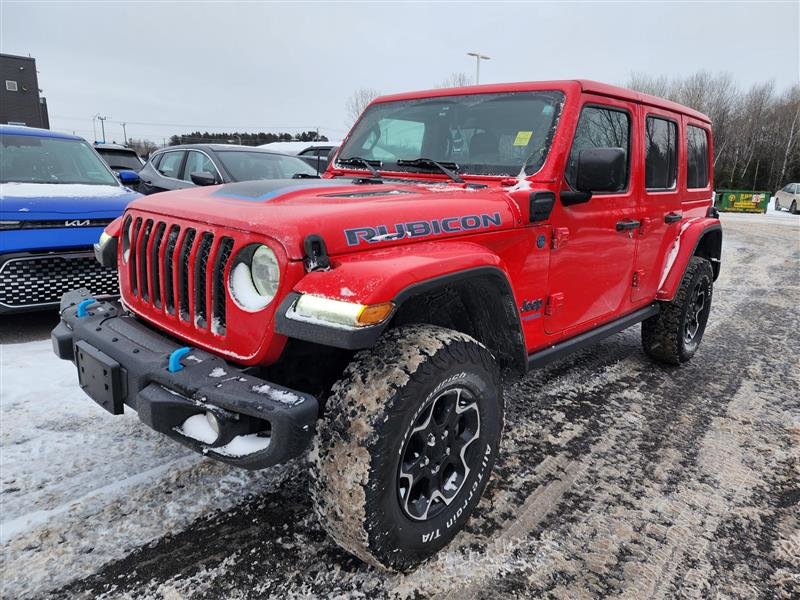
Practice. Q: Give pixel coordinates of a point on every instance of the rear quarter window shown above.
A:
(696, 157)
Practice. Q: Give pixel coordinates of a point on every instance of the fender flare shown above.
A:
(392, 275)
(701, 237)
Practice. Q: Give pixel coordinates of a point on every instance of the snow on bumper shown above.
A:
(251, 423)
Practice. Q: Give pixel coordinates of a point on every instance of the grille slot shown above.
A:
(39, 280)
(143, 284)
(183, 274)
(218, 295)
(132, 257)
(155, 264)
(169, 269)
(200, 274)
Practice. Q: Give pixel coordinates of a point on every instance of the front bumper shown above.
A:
(134, 371)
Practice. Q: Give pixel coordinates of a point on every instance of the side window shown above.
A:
(696, 157)
(170, 164)
(197, 162)
(600, 128)
(154, 160)
(661, 158)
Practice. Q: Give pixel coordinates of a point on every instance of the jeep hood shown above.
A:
(349, 217)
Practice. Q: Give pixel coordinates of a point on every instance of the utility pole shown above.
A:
(94, 127)
(478, 58)
(125, 133)
(103, 125)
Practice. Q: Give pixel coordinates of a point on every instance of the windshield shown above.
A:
(483, 134)
(120, 159)
(247, 166)
(29, 159)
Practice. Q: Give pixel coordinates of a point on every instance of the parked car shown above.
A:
(118, 157)
(56, 196)
(315, 154)
(460, 235)
(788, 197)
(178, 167)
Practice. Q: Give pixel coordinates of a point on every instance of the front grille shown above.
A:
(39, 280)
(181, 269)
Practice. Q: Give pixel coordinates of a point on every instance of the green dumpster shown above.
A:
(741, 201)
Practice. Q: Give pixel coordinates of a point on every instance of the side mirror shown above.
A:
(128, 177)
(203, 178)
(601, 170)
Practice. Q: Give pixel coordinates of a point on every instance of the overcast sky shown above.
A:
(173, 68)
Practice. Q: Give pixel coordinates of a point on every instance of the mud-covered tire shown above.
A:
(665, 336)
(370, 426)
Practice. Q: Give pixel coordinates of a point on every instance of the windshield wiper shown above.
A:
(448, 168)
(357, 160)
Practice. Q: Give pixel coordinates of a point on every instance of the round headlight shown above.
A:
(255, 278)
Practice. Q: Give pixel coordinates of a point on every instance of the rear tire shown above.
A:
(793, 207)
(673, 335)
(407, 444)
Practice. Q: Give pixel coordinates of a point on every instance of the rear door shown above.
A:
(591, 263)
(660, 191)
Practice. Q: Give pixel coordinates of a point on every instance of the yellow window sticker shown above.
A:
(523, 137)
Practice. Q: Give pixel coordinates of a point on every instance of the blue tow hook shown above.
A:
(175, 359)
(82, 307)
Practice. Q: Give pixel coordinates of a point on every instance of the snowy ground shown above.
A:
(617, 477)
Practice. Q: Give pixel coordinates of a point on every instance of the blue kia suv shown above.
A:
(56, 196)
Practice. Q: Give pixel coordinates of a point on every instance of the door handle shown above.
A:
(673, 217)
(628, 224)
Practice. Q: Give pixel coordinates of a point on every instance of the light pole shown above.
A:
(103, 126)
(478, 58)
(124, 133)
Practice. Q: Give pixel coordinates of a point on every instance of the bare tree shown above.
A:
(756, 131)
(456, 79)
(359, 101)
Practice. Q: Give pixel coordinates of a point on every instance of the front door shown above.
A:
(591, 264)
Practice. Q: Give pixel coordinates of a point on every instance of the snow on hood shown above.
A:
(19, 199)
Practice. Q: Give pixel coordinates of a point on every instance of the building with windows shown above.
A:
(20, 102)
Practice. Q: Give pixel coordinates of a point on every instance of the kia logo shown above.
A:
(77, 223)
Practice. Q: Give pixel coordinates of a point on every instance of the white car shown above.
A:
(788, 197)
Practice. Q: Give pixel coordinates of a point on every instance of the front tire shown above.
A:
(777, 205)
(674, 334)
(407, 444)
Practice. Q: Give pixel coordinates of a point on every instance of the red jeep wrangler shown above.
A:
(457, 235)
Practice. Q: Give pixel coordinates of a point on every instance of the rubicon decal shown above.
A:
(415, 229)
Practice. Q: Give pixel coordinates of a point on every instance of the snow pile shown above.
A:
(217, 372)
(59, 190)
(242, 445)
(198, 428)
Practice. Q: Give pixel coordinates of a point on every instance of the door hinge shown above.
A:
(560, 237)
(554, 303)
(638, 274)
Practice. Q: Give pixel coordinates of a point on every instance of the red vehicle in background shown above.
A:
(458, 234)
